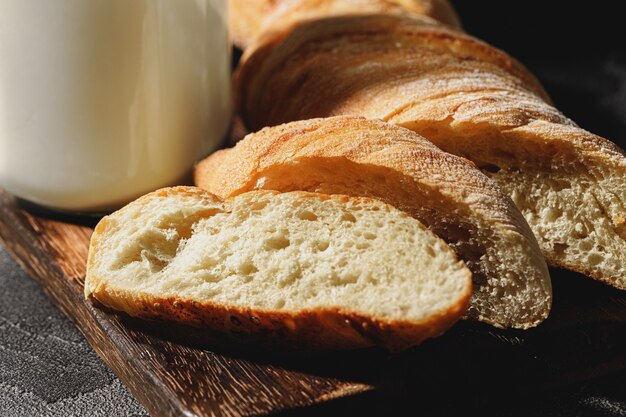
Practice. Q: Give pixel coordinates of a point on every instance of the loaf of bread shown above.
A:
(467, 97)
(355, 156)
(248, 18)
(305, 269)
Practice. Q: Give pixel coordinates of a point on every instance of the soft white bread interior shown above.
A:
(569, 184)
(469, 99)
(312, 269)
(356, 156)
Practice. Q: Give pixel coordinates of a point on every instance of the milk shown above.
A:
(104, 100)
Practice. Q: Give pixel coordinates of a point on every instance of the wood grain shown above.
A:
(174, 370)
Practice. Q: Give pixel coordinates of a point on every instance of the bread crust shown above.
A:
(378, 52)
(401, 168)
(467, 97)
(247, 19)
(315, 329)
(319, 329)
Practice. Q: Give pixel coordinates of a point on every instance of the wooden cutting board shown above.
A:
(177, 371)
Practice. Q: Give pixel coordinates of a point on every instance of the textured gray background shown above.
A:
(46, 366)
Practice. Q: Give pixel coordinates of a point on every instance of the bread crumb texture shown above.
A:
(469, 99)
(271, 252)
(371, 158)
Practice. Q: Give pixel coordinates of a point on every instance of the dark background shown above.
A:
(577, 50)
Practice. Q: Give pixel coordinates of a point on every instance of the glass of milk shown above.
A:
(102, 101)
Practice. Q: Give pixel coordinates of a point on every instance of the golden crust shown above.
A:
(467, 97)
(288, 13)
(320, 329)
(245, 19)
(248, 18)
(350, 155)
(316, 329)
(407, 71)
(369, 65)
(230, 172)
(440, 10)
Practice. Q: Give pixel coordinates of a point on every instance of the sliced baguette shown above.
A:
(356, 156)
(469, 99)
(329, 272)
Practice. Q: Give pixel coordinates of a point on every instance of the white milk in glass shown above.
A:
(104, 100)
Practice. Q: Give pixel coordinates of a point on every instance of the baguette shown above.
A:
(248, 18)
(468, 98)
(302, 269)
(355, 156)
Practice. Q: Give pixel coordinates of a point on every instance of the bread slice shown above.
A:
(309, 269)
(469, 99)
(248, 18)
(356, 156)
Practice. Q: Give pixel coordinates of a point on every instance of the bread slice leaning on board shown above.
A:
(248, 18)
(325, 272)
(468, 98)
(360, 157)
